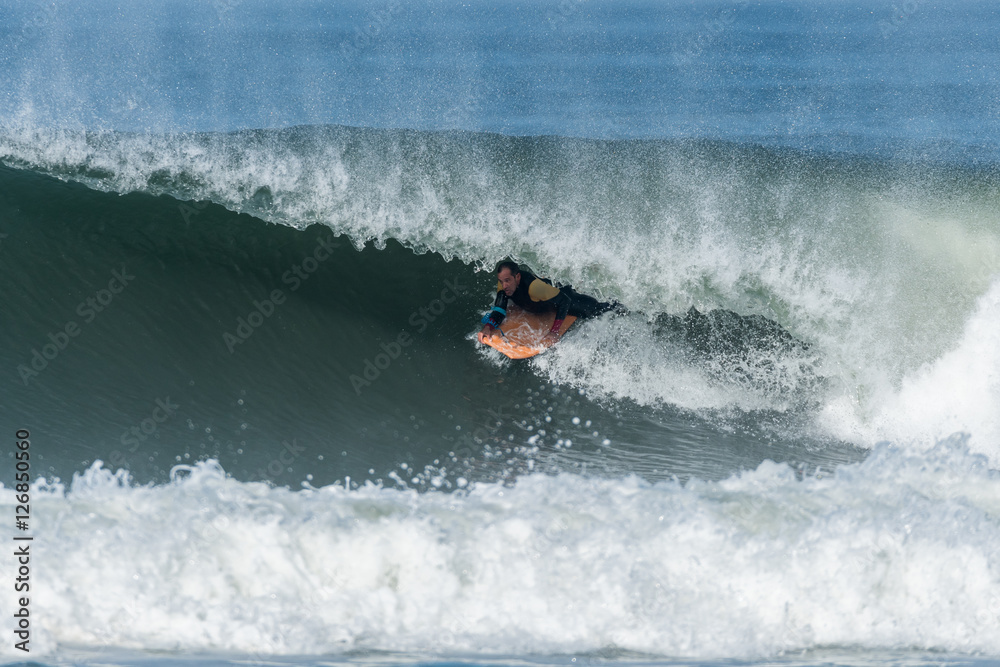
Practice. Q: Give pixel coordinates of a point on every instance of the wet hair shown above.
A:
(510, 266)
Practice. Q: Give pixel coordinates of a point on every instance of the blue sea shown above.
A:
(245, 247)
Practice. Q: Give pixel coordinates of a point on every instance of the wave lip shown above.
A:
(894, 553)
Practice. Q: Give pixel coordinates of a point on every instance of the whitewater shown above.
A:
(893, 552)
(214, 216)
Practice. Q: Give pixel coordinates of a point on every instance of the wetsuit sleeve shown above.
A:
(496, 316)
(539, 290)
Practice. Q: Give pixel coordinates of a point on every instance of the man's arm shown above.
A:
(495, 317)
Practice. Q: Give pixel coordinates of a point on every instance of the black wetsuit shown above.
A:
(539, 296)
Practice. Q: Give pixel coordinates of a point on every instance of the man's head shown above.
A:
(509, 275)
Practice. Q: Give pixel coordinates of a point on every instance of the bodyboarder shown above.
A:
(536, 295)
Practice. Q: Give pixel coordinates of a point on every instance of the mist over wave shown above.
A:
(879, 266)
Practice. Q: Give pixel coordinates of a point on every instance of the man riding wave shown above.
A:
(537, 295)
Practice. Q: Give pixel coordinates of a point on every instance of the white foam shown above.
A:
(881, 275)
(622, 358)
(959, 391)
(897, 552)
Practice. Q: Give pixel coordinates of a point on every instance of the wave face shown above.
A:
(888, 270)
(893, 554)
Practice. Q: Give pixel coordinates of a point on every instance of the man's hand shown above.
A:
(551, 338)
(485, 334)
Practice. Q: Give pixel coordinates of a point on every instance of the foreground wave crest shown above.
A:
(896, 552)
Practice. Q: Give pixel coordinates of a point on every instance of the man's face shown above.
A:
(508, 281)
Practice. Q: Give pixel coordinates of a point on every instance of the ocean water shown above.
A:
(244, 250)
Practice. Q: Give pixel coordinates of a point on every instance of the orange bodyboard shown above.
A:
(523, 333)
